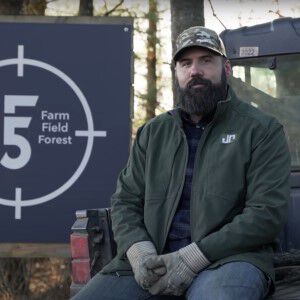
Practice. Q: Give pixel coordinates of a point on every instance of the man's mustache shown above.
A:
(198, 80)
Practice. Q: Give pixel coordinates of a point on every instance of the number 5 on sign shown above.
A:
(10, 138)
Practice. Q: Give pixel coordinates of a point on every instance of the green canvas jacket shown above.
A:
(239, 193)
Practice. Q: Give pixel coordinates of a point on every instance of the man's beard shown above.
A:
(202, 101)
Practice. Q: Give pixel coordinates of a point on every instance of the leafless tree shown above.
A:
(151, 97)
(34, 7)
(11, 7)
(86, 8)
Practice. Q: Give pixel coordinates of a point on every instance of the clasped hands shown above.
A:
(168, 274)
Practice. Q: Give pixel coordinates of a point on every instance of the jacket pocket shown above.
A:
(213, 212)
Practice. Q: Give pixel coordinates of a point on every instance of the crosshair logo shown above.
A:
(56, 123)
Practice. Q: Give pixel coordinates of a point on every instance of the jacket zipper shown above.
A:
(197, 157)
(178, 194)
(198, 152)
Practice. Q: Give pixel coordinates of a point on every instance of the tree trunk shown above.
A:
(34, 7)
(184, 14)
(10, 7)
(151, 101)
(86, 8)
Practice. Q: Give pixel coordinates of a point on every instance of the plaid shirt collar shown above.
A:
(186, 118)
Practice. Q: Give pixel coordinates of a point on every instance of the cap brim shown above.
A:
(179, 52)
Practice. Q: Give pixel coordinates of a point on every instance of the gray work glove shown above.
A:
(182, 266)
(138, 255)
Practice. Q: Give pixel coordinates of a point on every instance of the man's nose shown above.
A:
(196, 69)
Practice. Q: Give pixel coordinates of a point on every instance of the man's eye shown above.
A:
(185, 63)
(207, 60)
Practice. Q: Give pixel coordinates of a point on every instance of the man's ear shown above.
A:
(227, 67)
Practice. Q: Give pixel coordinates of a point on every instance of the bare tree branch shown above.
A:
(215, 15)
(114, 8)
(277, 12)
(105, 5)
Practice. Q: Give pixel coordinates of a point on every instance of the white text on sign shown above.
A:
(55, 126)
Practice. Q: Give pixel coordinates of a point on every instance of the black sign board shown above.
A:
(64, 121)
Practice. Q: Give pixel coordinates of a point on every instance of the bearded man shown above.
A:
(204, 194)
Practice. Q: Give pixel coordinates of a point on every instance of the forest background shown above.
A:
(156, 24)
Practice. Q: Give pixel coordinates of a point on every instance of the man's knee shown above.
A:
(110, 287)
(237, 280)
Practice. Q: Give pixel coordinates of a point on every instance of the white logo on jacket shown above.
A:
(229, 138)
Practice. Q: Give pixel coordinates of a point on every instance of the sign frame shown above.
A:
(63, 249)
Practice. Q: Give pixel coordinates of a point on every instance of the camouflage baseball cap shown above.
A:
(199, 36)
